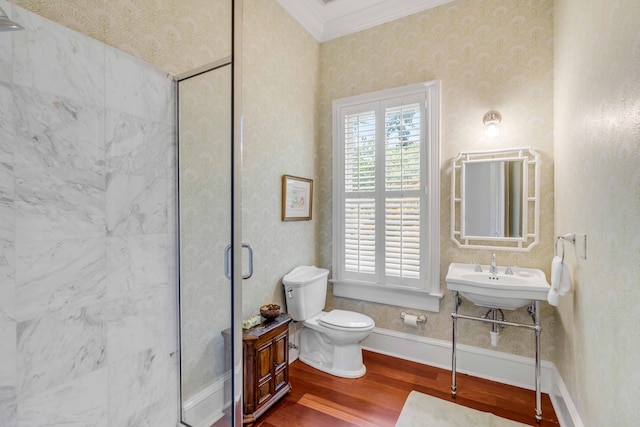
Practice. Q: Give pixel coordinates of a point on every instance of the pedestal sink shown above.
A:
(505, 291)
(526, 286)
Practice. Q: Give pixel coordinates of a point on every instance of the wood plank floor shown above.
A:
(318, 399)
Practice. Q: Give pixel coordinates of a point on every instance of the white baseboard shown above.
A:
(488, 364)
(206, 407)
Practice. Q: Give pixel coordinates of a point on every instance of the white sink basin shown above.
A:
(498, 290)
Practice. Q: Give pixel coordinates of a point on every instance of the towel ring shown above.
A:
(569, 237)
(559, 238)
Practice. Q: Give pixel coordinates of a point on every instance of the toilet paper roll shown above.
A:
(411, 320)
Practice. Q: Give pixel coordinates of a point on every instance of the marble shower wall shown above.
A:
(87, 290)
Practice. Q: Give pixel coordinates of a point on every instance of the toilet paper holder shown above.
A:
(420, 319)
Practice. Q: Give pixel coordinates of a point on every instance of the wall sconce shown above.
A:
(491, 121)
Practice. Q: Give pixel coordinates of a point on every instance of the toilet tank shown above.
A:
(305, 290)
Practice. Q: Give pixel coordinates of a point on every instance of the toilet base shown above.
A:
(331, 370)
(320, 352)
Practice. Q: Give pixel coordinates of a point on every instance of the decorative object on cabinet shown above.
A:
(266, 366)
(495, 199)
(297, 198)
(270, 311)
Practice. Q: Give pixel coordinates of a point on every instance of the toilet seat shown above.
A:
(344, 320)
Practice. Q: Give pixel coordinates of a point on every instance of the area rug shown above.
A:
(423, 410)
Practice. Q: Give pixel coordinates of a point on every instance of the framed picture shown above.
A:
(297, 197)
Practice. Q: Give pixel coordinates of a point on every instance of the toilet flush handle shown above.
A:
(289, 292)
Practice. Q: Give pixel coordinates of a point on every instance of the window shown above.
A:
(386, 228)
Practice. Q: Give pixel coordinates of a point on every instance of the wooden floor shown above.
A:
(318, 399)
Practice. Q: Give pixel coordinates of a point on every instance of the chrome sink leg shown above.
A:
(454, 318)
(536, 308)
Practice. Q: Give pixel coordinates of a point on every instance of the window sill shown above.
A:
(408, 298)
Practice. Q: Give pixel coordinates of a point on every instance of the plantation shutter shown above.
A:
(402, 191)
(359, 190)
(386, 181)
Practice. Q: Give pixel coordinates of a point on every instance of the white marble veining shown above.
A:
(137, 88)
(7, 232)
(137, 146)
(8, 354)
(139, 387)
(53, 349)
(59, 132)
(8, 406)
(6, 67)
(81, 401)
(54, 59)
(136, 324)
(6, 123)
(87, 301)
(59, 203)
(58, 276)
(136, 264)
(136, 205)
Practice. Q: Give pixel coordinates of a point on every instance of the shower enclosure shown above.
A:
(209, 241)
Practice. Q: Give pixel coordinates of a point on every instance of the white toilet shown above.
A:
(329, 341)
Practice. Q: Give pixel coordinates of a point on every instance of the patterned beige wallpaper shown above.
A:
(597, 152)
(488, 54)
(174, 35)
(280, 89)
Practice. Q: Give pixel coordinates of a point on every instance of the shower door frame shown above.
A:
(235, 258)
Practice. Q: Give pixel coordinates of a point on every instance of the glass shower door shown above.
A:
(205, 167)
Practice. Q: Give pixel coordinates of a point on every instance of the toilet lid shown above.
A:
(346, 319)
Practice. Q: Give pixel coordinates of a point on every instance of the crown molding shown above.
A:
(328, 21)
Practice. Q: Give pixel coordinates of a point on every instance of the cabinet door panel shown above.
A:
(264, 392)
(281, 344)
(264, 357)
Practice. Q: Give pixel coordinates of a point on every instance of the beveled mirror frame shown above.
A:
(530, 201)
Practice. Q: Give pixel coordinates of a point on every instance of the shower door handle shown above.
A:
(250, 250)
(227, 260)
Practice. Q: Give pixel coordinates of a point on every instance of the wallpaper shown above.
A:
(597, 152)
(280, 88)
(487, 54)
(174, 35)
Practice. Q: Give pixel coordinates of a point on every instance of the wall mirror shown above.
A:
(495, 199)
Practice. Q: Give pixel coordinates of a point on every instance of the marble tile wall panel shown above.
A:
(54, 59)
(58, 276)
(6, 41)
(141, 381)
(56, 131)
(136, 205)
(82, 401)
(87, 298)
(8, 351)
(139, 323)
(138, 146)
(54, 204)
(54, 349)
(137, 88)
(136, 265)
(6, 123)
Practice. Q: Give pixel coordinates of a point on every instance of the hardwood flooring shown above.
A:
(318, 399)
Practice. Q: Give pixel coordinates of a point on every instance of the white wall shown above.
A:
(597, 187)
(87, 292)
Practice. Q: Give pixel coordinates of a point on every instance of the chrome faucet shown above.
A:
(493, 269)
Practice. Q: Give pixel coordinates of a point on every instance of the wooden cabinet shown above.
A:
(266, 366)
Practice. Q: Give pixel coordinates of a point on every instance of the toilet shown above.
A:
(329, 341)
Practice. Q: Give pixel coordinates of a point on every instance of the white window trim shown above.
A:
(429, 297)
